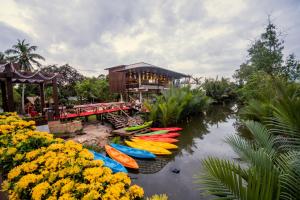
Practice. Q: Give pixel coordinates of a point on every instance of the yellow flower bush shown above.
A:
(38, 166)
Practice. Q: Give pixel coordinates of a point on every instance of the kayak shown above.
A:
(122, 158)
(167, 135)
(138, 153)
(134, 128)
(158, 139)
(153, 133)
(110, 163)
(171, 129)
(152, 149)
(156, 144)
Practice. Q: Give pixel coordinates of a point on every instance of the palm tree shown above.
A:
(23, 54)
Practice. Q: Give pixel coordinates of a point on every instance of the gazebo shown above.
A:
(9, 75)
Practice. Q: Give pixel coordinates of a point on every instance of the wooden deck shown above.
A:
(92, 112)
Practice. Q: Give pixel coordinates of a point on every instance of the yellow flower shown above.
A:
(136, 191)
(26, 180)
(18, 157)
(14, 173)
(40, 190)
(86, 154)
(33, 154)
(92, 173)
(52, 198)
(120, 177)
(5, 185)
(93, 194)
(11, 151)
(29, 167)
(81, 187)
(67, 187)
(66, 196)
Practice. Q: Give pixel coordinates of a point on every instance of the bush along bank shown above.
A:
(35, 165)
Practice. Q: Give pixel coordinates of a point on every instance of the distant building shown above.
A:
(141, 78)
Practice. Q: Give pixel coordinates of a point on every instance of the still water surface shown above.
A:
(201, 137)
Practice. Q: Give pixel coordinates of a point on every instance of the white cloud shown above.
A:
(207, 37)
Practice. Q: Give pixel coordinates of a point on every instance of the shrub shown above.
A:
(219, 90)
(176, 104)
(37, 166)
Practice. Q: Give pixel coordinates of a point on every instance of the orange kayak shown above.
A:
(122, 158)
(158, 139)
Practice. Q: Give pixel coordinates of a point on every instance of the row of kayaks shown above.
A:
(145, 146)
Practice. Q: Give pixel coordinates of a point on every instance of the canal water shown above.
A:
(203, 136)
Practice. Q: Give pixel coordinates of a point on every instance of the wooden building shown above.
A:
(141, 78)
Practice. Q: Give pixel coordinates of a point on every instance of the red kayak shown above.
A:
(166, 135)
(170, 129)
(157, 139)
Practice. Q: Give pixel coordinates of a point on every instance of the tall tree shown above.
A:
(69, 76)
(291, 69)
(2, 58)
(23, 54)
(266, 53)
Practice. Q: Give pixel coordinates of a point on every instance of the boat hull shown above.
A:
(167, 135)
(158, 139)
(152, 149)
(138, 153)
(156, 144)
(153, 133)
(110, 163)
(134, 128)
(171, 129)
(120, 157)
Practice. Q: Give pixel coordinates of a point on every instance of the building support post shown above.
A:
(55, 97)
(42, 96)
(4, 97)
(10, 95)
(140, 85)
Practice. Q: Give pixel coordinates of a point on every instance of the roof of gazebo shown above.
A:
(11, 70)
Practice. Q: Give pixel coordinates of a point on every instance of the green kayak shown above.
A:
(134, 128)
(153, 133)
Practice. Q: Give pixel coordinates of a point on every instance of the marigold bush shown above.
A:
(38, 166)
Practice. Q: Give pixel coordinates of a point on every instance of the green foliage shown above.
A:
(291, 69)
(66, 82)
(94, 148)
(271, 161)
(23, 54)
(270, 172)
(268, 96)
(176, 104)
(116, 140)
(219, 90)
(265, 55)
(94, 89)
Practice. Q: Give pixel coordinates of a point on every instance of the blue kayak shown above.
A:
(138, 153)
(113, 165)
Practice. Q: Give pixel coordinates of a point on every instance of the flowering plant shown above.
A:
(37, 166)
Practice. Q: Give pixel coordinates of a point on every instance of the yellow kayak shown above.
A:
(147, 147)
(157, 144)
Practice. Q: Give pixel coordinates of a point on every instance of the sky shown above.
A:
(206, 38)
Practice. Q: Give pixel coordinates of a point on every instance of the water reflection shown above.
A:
(202, 136)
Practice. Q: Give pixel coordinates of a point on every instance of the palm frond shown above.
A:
(223, 178)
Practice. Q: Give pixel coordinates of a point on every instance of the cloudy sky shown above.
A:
(199, 37)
